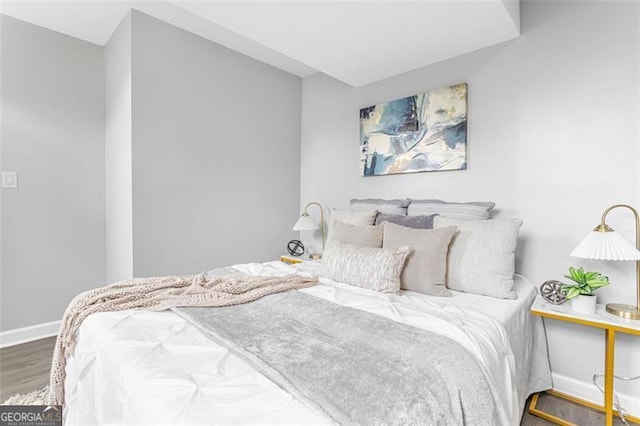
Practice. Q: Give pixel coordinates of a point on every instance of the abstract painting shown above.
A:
(421, 133)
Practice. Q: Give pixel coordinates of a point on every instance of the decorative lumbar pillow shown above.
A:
(471, 210)
(416, 222)
(383, 206)
(482, 256)
(350, 217)
(376, 269)
(425, 269)
(366, 235)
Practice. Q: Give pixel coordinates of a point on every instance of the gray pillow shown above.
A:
(425, 270)
(416, 222)
(352, 217)
(471, 210)
(482, 256)
(372, 268)
(367, 236)
(383, 206)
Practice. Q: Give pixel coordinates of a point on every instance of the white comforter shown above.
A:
(141, 367)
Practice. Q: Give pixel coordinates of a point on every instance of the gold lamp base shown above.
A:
(624, 311)
(315, 256)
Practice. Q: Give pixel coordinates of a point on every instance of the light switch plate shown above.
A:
(10, 180)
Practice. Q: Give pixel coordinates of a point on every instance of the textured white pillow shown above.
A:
(367, 267)
(350, 217)
(482, 255)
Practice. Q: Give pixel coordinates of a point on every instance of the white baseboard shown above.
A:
(590, 392)
(28, 334)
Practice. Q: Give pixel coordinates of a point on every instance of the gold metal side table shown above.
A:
(604, 321)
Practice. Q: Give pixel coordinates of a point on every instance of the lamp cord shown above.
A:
(616, 401)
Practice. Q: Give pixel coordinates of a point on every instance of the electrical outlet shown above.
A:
(10, 180)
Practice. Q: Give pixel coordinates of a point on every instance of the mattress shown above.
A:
(142, 367)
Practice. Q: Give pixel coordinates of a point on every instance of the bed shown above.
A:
(142, 367)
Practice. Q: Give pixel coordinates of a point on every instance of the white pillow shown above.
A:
(373, 268)
(383, 206)
(367, 235)
(425, 269)
(470, 210)
(350, 217)
(482, 255)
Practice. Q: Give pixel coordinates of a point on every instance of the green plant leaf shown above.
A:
(585, 282)
(572, 292)
(586, 289)
(572, 278)
(575, 274)
(591, 275)
(597, 284)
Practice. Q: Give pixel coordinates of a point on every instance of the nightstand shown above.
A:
(604, 321)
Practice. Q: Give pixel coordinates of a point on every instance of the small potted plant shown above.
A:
(581, 293)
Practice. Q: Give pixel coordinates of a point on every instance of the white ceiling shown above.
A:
(357, 42)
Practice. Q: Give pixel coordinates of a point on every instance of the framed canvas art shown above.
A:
(420, 133)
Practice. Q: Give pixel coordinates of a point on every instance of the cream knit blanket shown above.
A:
(158, 294)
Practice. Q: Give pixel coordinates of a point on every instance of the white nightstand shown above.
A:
(602, 320)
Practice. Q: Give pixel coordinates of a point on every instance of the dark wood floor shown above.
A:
(25, 367)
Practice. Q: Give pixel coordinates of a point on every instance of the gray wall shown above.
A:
(553, 139)
(53, 225)
(118, 168)
(195, 147)
(216, 153)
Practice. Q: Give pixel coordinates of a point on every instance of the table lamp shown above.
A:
(306, 223)
(603, 243)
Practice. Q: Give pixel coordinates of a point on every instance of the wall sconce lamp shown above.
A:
(603, 243)
(306, 223)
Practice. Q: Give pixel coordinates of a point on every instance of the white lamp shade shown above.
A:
(305, 223)
(605, 246)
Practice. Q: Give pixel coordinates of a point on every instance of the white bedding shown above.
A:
(141, 367)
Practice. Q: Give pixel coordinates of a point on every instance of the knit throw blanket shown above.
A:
(158, 294)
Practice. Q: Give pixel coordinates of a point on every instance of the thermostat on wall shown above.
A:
(10, 180)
